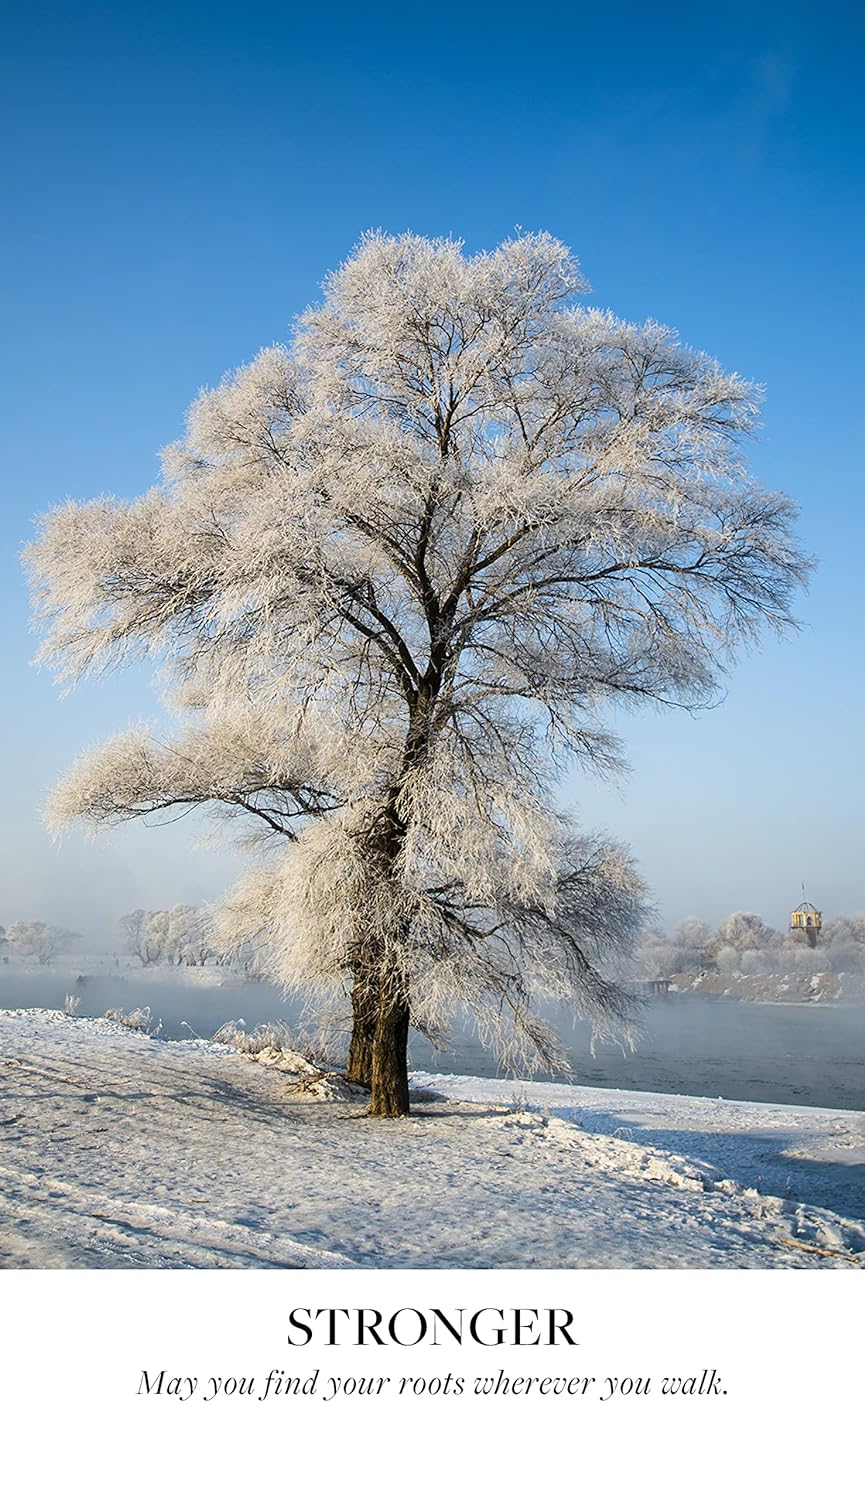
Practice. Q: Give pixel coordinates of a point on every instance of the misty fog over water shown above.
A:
(784, 1053)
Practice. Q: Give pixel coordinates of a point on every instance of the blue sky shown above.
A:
(179, 178)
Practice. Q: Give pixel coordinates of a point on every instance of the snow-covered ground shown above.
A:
(124, 1150)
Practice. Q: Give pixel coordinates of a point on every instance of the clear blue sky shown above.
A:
(178, 178)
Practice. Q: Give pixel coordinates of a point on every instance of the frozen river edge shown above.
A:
(121, 1150)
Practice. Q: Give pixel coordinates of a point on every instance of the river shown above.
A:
(716, 1046)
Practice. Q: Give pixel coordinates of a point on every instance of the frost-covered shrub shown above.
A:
(272, 1038)
(139, 1019)
(274, 1034)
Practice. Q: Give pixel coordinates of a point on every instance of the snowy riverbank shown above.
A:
(124, 1150)
(795, 1053)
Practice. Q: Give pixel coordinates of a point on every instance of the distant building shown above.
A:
(808, 920)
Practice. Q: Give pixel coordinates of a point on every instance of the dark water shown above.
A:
(691, 1044)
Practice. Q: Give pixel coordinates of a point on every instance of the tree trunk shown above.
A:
(364, 1011)
(385, 982)
(390, 1052)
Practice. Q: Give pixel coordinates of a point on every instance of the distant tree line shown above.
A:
(178, 935)
(741, 944)
(744, 944)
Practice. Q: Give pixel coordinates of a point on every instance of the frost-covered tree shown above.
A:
(688, 948)
(40, 940)
(132, 927)
(178, 936)
(742, 932)
(692, 939)
(841, 947)
(395, 572)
